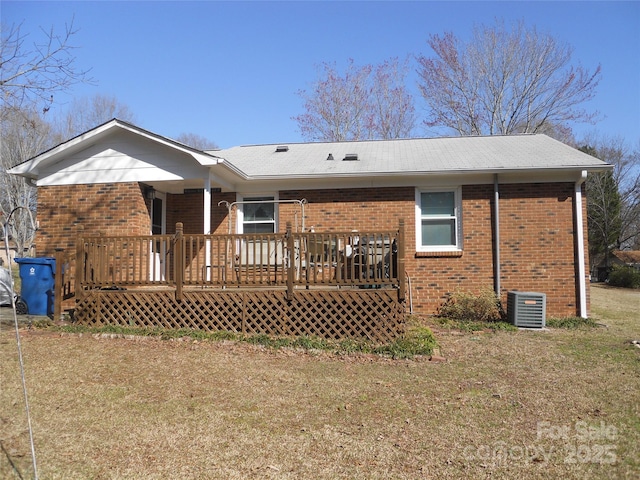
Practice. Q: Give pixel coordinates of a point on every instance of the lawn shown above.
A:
(563, 403)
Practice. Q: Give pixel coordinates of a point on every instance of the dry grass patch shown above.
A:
(503, 405)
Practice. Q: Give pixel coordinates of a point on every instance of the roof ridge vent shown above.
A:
(350, 157)
(282, 148)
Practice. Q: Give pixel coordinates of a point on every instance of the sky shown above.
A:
(230, 71)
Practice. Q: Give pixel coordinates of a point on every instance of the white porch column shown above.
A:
(207, 224)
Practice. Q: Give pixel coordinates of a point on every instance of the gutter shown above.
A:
(409, 173)
(582, 285)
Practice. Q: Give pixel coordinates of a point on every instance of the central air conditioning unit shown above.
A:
(526, 309)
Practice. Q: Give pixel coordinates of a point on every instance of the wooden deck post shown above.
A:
(178, 261)
(57, 285)
(290, 261)
(401, 261)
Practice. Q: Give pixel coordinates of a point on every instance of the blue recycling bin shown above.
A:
(37, 276)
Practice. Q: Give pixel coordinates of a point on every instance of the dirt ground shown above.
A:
(526, 404)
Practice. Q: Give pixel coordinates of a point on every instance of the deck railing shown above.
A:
(290, 260)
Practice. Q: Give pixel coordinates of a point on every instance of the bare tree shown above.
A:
(86, 113)
(626, 175)
(613, 198)
(197, 141)
(31, 74)
(504, 81)
(336, 109)
(365, 103)
(393, 107)
(24, 134)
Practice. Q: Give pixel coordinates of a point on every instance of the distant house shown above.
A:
(503, 212)
(628, 258)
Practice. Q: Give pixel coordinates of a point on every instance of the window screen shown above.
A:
(258, 217)
(439, 221)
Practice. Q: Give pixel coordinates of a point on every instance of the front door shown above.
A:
(158, 214)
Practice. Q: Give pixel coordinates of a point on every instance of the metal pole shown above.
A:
(15, 322)
(230, 206)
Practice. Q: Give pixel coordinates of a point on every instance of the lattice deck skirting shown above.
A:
(374, 314)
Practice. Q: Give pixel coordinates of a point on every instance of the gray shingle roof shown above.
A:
(420, 155)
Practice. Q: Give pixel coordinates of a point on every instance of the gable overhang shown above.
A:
(120, 152)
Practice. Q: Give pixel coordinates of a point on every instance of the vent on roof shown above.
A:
(526, 309)
(330, 157)
(282, 148)
(350, 157)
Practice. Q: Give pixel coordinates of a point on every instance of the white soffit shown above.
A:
(127, 140)
(122, 157)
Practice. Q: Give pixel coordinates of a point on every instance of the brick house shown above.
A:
(501, 212)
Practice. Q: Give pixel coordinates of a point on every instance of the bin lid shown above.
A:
(36, 260)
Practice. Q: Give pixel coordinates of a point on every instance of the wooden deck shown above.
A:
(331, 285)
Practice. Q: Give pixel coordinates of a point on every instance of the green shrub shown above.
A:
(309, 343)
(626, 277)
(417, 340)
(420, 340)
(468, 307)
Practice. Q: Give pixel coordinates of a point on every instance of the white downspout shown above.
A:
(582, 285)
(207, 225)
(496, 235)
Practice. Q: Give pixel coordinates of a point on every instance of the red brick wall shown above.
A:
(115, 209)
(435, 275)
(108, 208)
(536, 223)
(352, 209)
(537, 239)
(189, 209)
(538, 244)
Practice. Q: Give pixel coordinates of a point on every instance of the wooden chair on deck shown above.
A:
(320, 254)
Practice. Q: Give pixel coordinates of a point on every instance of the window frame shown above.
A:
(248, 197)
(457, 217)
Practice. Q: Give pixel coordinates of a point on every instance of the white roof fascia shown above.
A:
(231, 168)
(227, 175)
(419, 173)
(201, 157)
(546, 171)
(408, 180)
(29, 168)
(225, 183)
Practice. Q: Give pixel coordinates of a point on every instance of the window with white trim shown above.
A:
(258, 214)
(438, 219)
